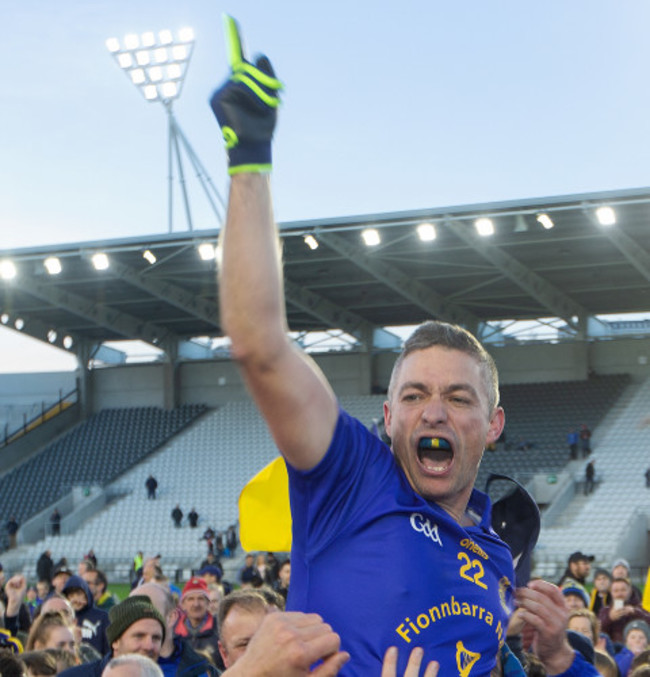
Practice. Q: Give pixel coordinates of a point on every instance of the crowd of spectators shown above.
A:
(70, 623)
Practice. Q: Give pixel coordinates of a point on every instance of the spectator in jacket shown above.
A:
(93, 622)
(196, 625)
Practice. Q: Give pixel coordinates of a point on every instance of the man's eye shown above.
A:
(411, 397)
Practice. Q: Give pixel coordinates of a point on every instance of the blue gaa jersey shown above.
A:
(385, 567)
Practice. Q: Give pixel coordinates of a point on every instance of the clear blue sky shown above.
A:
(388, 106)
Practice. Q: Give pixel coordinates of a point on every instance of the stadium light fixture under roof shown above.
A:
(7, 269)
(606, 216)
(371, 237)
(484, 227)
(545, 221)
(426, 232)
(52, 265)
(100, 261)
(311, 241)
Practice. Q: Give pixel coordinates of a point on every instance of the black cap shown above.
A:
(516, 519)
(580, 557)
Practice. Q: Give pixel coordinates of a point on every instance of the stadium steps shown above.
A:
(601, 521)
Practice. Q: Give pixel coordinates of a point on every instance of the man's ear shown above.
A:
(172, 617)
(497, 423)
(387, 418)
(224, 654)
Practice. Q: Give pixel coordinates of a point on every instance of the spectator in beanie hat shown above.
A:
(136, 626)
(196, 625)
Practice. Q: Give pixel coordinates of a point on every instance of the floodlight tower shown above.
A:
(157, 66)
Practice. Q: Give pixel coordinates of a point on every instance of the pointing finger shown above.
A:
(233, 42)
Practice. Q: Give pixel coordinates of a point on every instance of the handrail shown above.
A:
(47, 413)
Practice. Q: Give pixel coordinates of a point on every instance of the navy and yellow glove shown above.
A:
(246, 107)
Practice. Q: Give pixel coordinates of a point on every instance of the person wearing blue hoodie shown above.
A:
(92, 621)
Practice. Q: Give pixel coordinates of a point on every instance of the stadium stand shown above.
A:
(208, 463)
(601, 522)
(94, 452)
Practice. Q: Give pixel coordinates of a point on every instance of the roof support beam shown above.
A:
(208, 311)
(432, 304)
(637, 256)
(335, 316)
(557, 302)
(121, 323)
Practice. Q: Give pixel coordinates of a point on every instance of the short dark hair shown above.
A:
(101, 579)
(452, 337)
(248, 599)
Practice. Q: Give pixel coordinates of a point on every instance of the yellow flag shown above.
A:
(264, 512)
(646, 593)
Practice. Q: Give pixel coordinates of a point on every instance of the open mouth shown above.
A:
(435, 454)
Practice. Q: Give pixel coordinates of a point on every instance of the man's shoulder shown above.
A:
(191, 662)
(87, 669)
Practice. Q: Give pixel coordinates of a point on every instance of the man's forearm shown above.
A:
(251, 294)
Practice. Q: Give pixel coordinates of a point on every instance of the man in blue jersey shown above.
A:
(448, 586)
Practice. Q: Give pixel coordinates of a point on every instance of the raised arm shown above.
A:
(289, 389)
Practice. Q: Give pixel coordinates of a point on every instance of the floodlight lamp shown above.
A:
(155, 74)
(150, 92)
(113, 45)
(7, 270)
(149, 256)
(68, 342)
(169, 90)
(206, 251)
(148, 39)
(179, 52)
(186, 34)
(174, 71)
(426, 232)
(131, 41)
(165, 37)
(545, 221)
(370, 237)
(606, 216)
(51, 336)
(137, 76)
(52, 265)
(125, 60)
(143, 57)
(4, 318)
(19, 323)
(311, 241)
(100, 261)
(160, 55)
(484, 227)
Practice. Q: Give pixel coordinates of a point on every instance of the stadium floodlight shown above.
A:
(68, 342)
(484, 227)
(426, 232)
(371, 237)
(7, 269)
(100, 261)
(545, 221)
(4, 318)
(606, 216)
(311, 241)
(206, 251)
(19, 323)
(52, 265)
(137, 56)
(149, 256)
(51, 336)
(157, 65)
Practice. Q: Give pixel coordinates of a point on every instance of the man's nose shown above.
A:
(435, 411)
